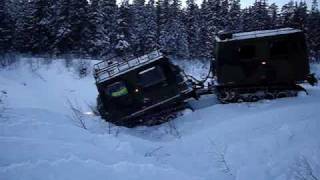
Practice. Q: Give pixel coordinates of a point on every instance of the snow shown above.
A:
(39, 139)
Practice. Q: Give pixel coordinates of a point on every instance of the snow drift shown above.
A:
(41, 138)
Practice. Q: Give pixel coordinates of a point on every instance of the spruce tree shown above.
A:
(273, 13)
(261, 18)
(138, 26)
(192, 22)
(151, 42)
(205, 43)
(62, 27)
(122, 47)
(41, 25)
(234, 16)
(287, 13)
(313, 31)
(6, 28)
(173, 37)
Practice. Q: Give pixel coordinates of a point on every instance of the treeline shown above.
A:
(103, 28)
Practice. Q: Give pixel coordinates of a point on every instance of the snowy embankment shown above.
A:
(40, 138)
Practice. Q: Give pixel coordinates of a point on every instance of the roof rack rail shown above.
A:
(107, 69)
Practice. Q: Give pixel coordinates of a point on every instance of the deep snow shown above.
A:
(40, 139)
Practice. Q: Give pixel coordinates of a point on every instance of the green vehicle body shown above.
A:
(262, 58)
(142, 90)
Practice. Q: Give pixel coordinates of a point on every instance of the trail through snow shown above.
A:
(39, 139)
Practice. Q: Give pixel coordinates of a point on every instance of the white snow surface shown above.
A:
(40, 140)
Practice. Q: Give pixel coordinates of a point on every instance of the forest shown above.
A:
(104, 28)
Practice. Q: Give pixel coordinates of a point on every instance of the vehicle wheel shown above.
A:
(269, 96)
(253, 98)
(282, 94)
(224, 97)
(240, 99)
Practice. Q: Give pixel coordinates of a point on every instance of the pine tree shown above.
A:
(102, 27)
(287, 13)
(78, 20)
(260, 15)
(234, 16)
(192, 22)
(122, 47)
(109, 28)
(6, 28)
(62, 27)
(138, 27)
(173, 37)
(205, 44)
(23, 27)
(300, 15)
(273, 13)
(313, 31)
(41, 25)
(151, 42)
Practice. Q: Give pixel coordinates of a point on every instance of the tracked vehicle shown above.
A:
(146, 90)
(261, 64)
(248, 66)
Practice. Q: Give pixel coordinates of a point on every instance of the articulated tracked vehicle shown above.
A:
(150, 89)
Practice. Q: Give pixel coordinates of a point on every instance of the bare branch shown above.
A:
(302, 170)
(76, 114)
(220, 158)
(149, 154)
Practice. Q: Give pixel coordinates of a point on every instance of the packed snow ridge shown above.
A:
(47, 131)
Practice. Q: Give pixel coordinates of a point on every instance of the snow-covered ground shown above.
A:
(40, 138)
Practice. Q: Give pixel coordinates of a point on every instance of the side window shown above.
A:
(247, 52)
(151, 76)
(117, 89)
(278, 48)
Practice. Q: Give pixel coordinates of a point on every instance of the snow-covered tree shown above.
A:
(122, 47)
(287, 14)
(102, 27)
(313, 31)
(41, 26)
(192, 22)
(151, 42)
(138, 26)
(261, 18)
(6, 27)
(173, 37)
(205, 43)
(234, 16)
(273, 13)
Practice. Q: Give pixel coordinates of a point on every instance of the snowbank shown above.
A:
(39, 139)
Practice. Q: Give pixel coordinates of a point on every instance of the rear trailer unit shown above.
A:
(261, 64)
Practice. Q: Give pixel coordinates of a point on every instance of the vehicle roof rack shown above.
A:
(256, 34)
(110, 68)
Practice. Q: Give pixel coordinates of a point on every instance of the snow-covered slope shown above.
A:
(41, 139)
